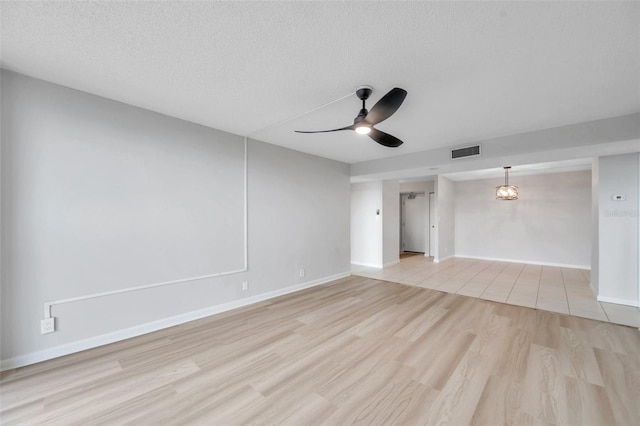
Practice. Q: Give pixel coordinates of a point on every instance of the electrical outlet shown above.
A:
(245, 285)
(301, 272)
(47, 325)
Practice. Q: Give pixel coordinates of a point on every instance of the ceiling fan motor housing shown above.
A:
(363, 92)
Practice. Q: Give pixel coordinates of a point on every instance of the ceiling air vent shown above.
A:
(469, 151)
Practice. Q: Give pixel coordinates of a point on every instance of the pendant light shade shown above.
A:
(506, 191)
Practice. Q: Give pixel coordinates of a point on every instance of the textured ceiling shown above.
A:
(473, 70)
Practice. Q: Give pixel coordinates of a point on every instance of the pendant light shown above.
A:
(506, 191)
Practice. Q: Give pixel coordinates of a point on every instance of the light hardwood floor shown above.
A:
(357, 350)
(554, 289)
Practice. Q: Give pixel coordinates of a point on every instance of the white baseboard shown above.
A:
(617, 301)
(368, 265)
(376, 265)
(442, 259)
(116, 336)
(528, 262)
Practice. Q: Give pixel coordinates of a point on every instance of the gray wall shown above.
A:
(550, 223)
(618, 229)
(100, 196)
(298, 217)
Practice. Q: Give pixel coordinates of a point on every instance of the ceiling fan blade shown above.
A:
(384, 138)
(352, 127)
(386, 106)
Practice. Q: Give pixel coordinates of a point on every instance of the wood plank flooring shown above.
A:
(354, 351)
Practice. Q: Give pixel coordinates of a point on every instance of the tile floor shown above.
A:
(554, 289)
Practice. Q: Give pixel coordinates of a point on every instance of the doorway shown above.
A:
(414, 232)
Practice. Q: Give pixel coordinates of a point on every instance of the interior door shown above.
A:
(413, 223)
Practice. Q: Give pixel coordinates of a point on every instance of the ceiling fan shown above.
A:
(365, 120)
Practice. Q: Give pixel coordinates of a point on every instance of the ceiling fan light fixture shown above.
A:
(363, 130)
(506, 192)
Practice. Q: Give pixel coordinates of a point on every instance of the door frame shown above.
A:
(427, 236)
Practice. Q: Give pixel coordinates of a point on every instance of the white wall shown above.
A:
(446, 220)
(375, 218)
(390, 222)
(595, 225)
(425, 186)
(100, 196)
(545, 225)
(618, 229)
(366, 224)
